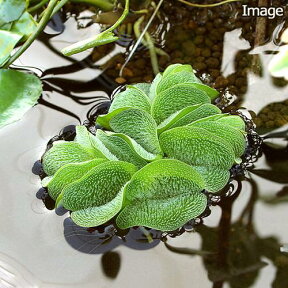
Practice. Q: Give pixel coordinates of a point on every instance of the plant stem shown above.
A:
(35, 34)
(37, 6)
(152, 52)
(104, 5)
(121, 19)
(207, 5)
(141, 36)
(58, 7)
(97, 40)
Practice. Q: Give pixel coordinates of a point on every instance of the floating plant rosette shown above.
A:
(155, 153)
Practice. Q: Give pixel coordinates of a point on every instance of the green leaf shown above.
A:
(163, 195)
(68, 174)
(186, 75)
(25, 26)
(11, 10)
(95, 216)
(137, 148)
(131, 97)
(120, 148)
(215, 178)
(155, 82)
(88, 141)
(175, 68)
(176, 98)
(197, 146)
(231, 120)
(181, 77)
(6, 26)
(188, 115)
(279, 63)
(98, 40)
(212, 93)
(18, 93)
(8, 41)
(104, 120)
(144, 87)
(135, 123)
(228, 133)
(99, 186)
(63, 153)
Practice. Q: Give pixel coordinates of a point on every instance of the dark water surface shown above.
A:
(238, 245)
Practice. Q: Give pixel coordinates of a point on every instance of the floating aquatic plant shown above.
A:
(159, 147)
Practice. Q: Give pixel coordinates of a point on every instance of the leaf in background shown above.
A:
(68, 174)
(8, 41)
(278, 66)
(18, 93)
(132, 97)
(25, 26)
(11, 10)
(120, 148)
(99, 186)
(163, 195)
(63, 153)
(197, 146)
(176, 98)
(98, 40)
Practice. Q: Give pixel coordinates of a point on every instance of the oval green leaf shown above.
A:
(163, 195)
(99, 186)
(62, 153)
(198, 147)
(68, 174)
(18, 93)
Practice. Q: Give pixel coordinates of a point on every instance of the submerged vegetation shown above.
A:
(159, 147)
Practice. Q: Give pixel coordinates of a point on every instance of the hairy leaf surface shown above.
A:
(176, 98)
(163, 195)
(98, 215)
(99, 186)
(131, 97)
(68, 174)
(121, 148)
(198, 147)
(63, 153)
